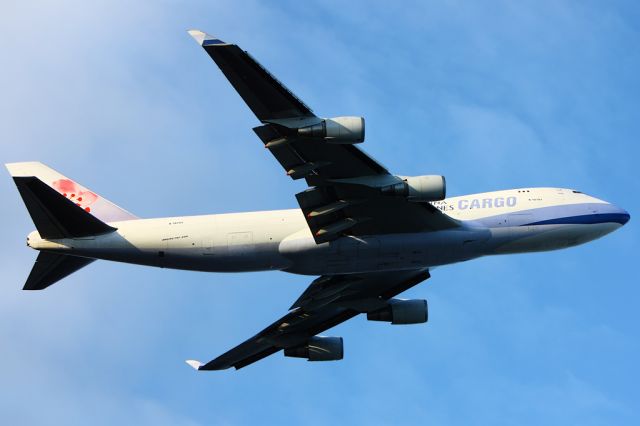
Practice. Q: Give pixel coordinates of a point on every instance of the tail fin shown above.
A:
(61, 208)
(51, 268)
(54, 215)
(89, 201)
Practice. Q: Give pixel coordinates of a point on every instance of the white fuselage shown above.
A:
(511, 221)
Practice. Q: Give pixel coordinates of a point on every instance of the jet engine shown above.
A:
(339, 130)
(418, 188)
(401, 311)
(318, 348)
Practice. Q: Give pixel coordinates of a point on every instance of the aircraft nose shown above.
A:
(624, 216)
(618, 215)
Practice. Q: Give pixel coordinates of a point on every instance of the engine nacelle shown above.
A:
(340, 130)
(402, 311)
(419, 188)
(318, 348)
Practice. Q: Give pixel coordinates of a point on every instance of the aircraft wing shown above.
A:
(262, 92)
(327, 302)
(344, 195)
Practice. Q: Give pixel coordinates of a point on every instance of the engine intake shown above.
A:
(402, 311)
(339, 130)
(318, 348)
(418, 188)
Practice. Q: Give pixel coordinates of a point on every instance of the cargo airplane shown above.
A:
(366, 233)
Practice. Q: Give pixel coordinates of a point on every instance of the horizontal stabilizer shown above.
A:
(54, 215)
(51, 268)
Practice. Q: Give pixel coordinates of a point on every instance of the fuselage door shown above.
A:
(208, 246)
(240, 243)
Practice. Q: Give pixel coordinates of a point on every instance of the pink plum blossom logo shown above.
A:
(73, 192)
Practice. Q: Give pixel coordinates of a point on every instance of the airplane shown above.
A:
(365, 233)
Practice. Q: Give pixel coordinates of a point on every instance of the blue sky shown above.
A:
(493, 95)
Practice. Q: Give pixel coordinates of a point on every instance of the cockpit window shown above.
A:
(576, 192)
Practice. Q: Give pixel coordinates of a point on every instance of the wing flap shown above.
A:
(342, 161)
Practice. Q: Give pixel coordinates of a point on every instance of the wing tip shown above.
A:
(204, 39)
(194, 364)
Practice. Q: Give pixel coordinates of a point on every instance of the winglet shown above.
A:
(204, 39)
(194, 364)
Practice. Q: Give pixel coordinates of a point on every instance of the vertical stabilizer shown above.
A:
(54, 215)
(89, 201)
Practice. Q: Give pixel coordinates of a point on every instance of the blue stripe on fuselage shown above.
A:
(581, 213)
(620, 218)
